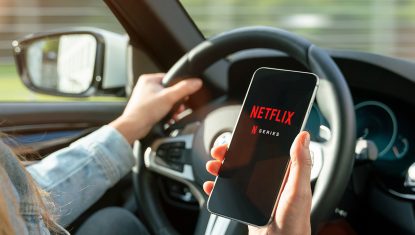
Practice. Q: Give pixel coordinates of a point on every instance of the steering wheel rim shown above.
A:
(333, 97)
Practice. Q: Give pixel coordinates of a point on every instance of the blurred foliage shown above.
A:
(13, 90)
(51, 45)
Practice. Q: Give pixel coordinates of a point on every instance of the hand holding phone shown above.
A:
(293, 209)
(255, 168)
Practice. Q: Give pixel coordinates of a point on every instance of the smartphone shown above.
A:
(274, 111)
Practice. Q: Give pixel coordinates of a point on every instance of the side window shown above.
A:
(23, 17)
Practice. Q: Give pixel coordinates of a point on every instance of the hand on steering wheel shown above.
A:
(150, 102)
(293, 210)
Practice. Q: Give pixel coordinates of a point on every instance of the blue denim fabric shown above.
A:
(77, 176)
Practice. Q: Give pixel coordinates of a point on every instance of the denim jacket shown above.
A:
(76, 177)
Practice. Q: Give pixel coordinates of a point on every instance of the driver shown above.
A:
(50, 194)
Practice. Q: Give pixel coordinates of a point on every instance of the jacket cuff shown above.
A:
(114, 153)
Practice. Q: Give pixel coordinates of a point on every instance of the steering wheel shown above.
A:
(183, 156)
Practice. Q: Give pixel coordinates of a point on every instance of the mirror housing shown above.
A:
(75, 62)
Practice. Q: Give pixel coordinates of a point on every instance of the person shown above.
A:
(67, 182)
(294, 207)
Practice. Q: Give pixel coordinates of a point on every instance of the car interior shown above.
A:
(361, 124)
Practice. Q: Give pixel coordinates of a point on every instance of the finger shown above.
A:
(218, 152)
(296, 198)
(182, 89)
(176, 115)
(300, 156)
(208, 186)
(181, 108)
(153, 77)
(213, 167)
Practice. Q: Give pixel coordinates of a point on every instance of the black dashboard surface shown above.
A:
(382, 75)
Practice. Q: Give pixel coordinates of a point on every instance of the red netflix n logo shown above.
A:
(254, 129)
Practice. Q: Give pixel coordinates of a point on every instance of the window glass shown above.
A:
(379, 26)
(22, 17)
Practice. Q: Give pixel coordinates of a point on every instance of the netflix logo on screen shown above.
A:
(272, 114)
(283, 117)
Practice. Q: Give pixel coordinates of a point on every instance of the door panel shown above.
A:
(37, 129)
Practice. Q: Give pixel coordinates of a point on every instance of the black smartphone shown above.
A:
(274, 111)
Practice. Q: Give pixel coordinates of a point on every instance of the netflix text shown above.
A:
(272, 114)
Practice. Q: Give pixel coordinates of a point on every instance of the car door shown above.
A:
(39, 128)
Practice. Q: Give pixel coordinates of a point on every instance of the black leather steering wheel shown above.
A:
(200, 129)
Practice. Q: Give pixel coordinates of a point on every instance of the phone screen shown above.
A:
(273, 113)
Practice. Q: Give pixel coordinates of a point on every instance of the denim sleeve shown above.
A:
(77, 176)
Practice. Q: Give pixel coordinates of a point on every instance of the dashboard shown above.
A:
(383, 91)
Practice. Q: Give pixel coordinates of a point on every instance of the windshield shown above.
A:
(379, 26)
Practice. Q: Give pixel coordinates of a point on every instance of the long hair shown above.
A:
(9, 207)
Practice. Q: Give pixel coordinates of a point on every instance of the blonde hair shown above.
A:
(6, 226)
(9, 205)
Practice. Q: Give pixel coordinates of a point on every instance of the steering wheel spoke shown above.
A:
(317, 158)
(170, 157)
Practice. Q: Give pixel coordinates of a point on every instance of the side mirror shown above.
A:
(76, 63)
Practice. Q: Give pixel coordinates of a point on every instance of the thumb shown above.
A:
(301, 163)
(182, 89)
(296, 196)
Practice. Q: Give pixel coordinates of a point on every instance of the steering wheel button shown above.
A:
(164, 146)
(169, 164)
(175, 153)
(176, 166)
(161, 152)
(177, 145)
